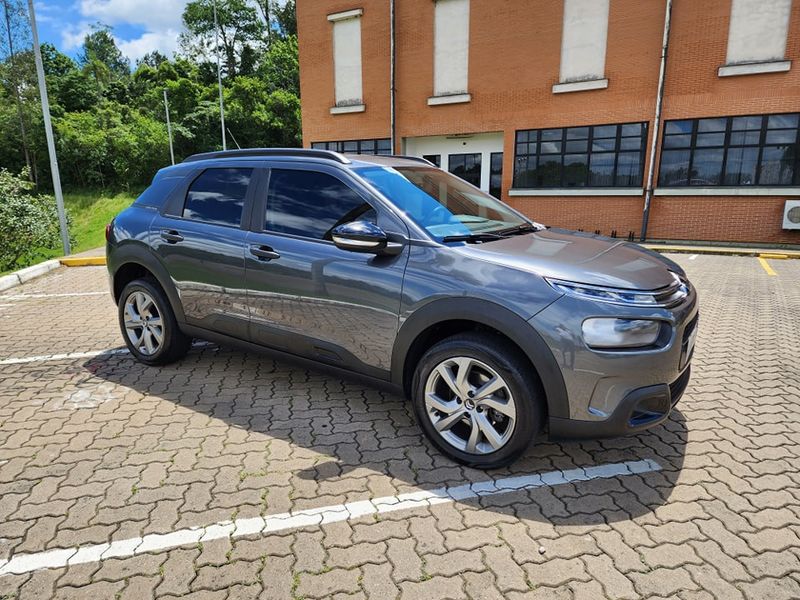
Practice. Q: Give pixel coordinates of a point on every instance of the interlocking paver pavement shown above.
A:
(100, 449)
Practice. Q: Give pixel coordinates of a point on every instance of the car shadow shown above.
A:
(324, 434)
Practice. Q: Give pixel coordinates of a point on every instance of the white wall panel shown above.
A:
(583, 41)
(450, 47)
(347, 60)
(758, 30)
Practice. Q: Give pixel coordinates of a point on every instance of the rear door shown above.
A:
(201, 240)
(307, 296)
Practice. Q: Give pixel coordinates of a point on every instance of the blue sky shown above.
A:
(139, 25)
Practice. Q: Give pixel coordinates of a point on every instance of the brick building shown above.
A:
(552, 105)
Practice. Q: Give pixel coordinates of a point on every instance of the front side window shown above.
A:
(731, 151)
(440, 202)
(217, 196)
(311, 204)
(590, 156)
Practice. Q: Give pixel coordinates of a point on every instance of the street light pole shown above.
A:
(219, 78)
(169, 128)
(48, 131)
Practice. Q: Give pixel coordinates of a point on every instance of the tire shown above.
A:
(482, 357)
(143, 301)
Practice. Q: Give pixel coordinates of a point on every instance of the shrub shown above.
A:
(28, 222)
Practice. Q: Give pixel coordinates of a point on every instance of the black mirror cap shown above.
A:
(360, 236)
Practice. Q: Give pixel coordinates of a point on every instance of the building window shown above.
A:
(731, 151)
(583, 46)
(594, 156)
(450, 51)
(436, 159)
(757, 36)
(496, 174)
(466, 166)
(380, 146)
(347, 61)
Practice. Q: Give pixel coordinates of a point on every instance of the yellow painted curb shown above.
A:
(774, 256)
(84, 261)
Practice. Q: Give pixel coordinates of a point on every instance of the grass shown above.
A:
(90, 211)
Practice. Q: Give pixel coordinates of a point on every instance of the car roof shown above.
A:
(302, 154)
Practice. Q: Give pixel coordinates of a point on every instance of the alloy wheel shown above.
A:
(470, 405)
(143, 324)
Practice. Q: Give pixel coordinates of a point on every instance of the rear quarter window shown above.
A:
(158, 191)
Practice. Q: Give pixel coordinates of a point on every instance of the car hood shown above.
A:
(579, 257)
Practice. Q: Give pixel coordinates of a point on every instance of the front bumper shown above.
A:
(640, 409)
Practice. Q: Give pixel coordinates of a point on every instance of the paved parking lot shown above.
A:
(201, 479)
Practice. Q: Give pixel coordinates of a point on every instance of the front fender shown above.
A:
(493, 315)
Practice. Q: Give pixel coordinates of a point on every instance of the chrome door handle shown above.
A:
(171, 236)
(264, 252)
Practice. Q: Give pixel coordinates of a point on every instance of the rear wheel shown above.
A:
(477, 400)
(149, 326)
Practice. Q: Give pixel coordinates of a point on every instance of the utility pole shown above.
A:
(219, 78)
(169, 128)
(48, 131)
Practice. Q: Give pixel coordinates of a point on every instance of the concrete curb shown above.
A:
(725, 251)
(18, 277)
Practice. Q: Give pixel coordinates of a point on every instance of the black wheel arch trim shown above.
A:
(142, 256)
(493, 315)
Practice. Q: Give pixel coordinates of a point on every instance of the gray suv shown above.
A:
(496, 327)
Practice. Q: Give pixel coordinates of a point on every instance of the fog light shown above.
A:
(620, 333)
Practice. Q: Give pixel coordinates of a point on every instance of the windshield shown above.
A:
(440, 202)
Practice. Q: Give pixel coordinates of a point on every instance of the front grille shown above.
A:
(673, 294)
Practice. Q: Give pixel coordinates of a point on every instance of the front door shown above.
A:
(466, 166)
(202, 247)
(307, 296)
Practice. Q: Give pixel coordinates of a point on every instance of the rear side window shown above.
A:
(217, 196)
(311, 204)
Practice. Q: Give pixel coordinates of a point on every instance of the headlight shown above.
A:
(665, 297)
(620, 333)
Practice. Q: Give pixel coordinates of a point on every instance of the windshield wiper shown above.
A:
(517, 230)
(472, 238)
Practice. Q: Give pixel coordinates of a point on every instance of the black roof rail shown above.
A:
(303, 152)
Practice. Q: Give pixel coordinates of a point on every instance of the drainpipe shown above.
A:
(648, 195)
(392, 60)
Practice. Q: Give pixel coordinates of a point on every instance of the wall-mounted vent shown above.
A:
(791, 214)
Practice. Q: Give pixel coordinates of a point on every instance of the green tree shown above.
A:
(240, 32)
(102, 59)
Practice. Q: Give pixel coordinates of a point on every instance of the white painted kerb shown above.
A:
(61, 557)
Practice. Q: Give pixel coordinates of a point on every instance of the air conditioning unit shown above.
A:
(791, 214)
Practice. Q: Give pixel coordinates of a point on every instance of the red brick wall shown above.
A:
(514, 62)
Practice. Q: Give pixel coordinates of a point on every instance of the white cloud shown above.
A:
(160, 19)
(165, 42)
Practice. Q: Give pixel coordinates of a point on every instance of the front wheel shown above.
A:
(149, 326)
(477, 400)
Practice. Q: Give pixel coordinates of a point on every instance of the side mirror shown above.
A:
(360, 236)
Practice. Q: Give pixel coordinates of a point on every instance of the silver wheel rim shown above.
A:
(470, 405)
(143, 324)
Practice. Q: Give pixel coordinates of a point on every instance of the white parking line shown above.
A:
(68, 356)
(64, 295)
(61, 557)
(72, 355)
(693, 256)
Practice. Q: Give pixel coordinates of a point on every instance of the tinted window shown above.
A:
(751, 150)
(217, 196)
(311, 204)
(596, 156)
(466, 166)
